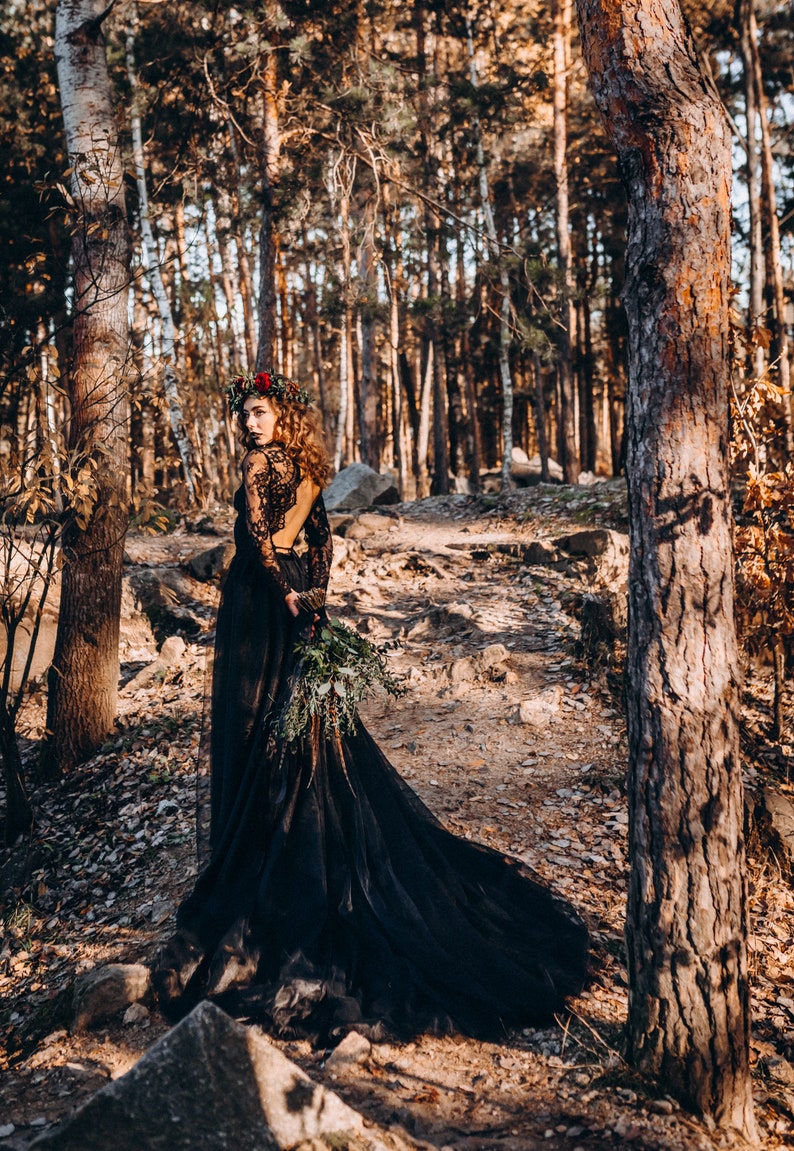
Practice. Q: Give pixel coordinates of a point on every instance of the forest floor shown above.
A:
(443, 579)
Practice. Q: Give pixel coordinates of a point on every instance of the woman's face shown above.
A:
(260, 419)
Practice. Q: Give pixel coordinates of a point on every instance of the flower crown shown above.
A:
(239, 388)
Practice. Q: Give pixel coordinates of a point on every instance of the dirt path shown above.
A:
(115, 846)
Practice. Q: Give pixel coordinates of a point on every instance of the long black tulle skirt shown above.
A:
(333, 897)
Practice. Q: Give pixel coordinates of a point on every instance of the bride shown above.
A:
(333, 897)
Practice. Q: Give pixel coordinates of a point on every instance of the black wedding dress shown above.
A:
(333, 897)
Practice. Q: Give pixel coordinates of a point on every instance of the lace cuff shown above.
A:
(256, 477)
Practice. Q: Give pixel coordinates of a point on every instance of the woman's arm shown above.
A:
(320, 544)
(257, 478)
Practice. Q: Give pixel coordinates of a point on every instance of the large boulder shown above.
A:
(136, 641)
(212, 562)
(606, 551)
(526, 470)
(104, 991)
(211, 1084)
(358, 486)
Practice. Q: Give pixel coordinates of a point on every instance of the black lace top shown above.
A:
(271, 480)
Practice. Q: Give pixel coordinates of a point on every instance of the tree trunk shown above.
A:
(745, 25)
(540, 418)
(393, 274)
(18, 812)
(83, 680)
(561, 12)
(505, 309)
(190, 466)
(474, 439)
(271, 144)
(368, 387)
(770, 227)
(686, 927)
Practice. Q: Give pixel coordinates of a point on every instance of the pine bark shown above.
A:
(83, 680)
(505, 307)
(744, 20)
(271, 147)
(686, 928)
(561, 12)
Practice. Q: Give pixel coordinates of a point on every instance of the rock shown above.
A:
(136, 638)
(171, 655)
(587, 479)
(103, 992)
(605, 619)
(353, 1049)
(463, 670)
(358, 486)
(772, 816)
(540, 552)
(493, 655)
(211, 563)
(340, 522)
(661, 1107)
(135, 1013)
(173, 650)
(165, 595)
(526, 470)
(212, 1084)
(378, 523)
(607, 552)
(541, 708)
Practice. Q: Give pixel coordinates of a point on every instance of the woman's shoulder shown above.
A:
(261, 457)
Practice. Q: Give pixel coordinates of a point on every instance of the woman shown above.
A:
(333, 897)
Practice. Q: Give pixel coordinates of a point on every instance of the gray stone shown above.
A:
(135, 1013)
(211, 1084)
(103, 992)
(358, 486)
(353, 1049)
(211, 563)
(537, 711)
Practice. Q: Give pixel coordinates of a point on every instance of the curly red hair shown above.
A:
(299, 428)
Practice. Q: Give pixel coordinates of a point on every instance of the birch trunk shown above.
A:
(561, 12)
(151, 263)
(686, 930)
(83, 680)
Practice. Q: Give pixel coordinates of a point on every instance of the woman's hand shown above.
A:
(291, 600)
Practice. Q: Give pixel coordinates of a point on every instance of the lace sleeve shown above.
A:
(321, 547)
(257, 480)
